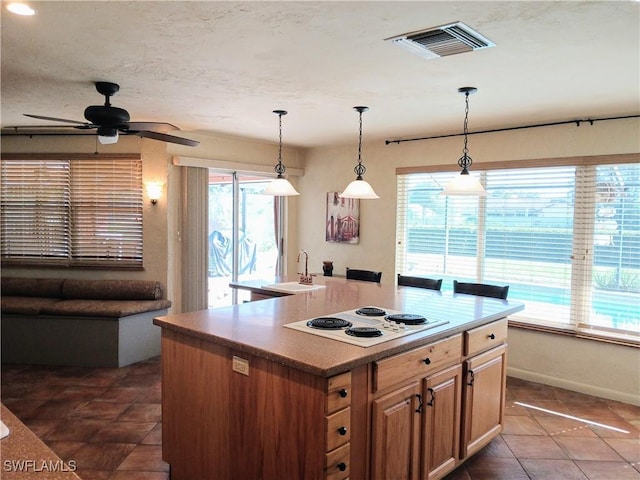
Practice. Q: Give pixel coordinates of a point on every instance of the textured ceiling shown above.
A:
(224, 66)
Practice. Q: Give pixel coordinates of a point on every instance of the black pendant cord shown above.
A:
(464, 162)
(280, 168)
(360, 169)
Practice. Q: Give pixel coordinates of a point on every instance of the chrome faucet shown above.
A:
(305, 278)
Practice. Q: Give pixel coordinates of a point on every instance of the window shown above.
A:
(78, 212)
(565, 238)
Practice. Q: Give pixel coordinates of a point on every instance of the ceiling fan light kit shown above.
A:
(110, 121)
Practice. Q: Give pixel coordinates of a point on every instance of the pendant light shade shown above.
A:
(465, 184)
(359, 188)
(280, 187)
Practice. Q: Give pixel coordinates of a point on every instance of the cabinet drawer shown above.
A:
(338, 392)
(485, 337)
(337, 463)
(338, 429)
(419, 361)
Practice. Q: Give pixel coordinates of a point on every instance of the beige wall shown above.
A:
(577, 363)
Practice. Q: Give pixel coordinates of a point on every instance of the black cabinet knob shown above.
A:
(342, 431)
(343, 393)
(427, 361)
(492, 336)
(342, 466)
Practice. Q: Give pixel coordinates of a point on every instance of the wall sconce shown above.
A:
(154, 191)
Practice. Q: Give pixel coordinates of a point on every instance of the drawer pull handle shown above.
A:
(471, 378)
(433, 397)
(427, 361)
(492, 336)
(342, 466)
(343, 392)
(342, 431)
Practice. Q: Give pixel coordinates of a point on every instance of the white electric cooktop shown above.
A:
(378, 324)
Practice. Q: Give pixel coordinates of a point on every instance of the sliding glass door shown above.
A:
(243, 234)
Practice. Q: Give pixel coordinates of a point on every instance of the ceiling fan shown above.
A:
(110, 120)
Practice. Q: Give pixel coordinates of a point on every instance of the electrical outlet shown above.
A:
(240, 365)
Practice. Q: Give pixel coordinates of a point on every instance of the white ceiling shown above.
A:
(224, 66)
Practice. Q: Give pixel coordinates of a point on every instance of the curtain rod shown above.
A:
(43, 134)
(591, 121)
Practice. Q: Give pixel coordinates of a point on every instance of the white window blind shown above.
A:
(80, 212)
(35, 200)
(566, 240)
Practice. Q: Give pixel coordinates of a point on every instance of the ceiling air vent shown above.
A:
(442, 41)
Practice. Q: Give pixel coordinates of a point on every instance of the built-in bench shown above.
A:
(93, 323)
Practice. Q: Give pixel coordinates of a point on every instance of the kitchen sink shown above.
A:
(291, 287)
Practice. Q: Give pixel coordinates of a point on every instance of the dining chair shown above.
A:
(366, 275)
(419, 282)
(481, 289)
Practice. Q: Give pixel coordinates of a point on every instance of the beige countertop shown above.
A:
(23, 456)
(257, 327)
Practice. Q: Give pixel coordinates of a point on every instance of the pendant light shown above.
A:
(280, 187)
(465, 184)
(359, 188)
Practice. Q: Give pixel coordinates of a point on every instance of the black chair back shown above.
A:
(420, 282)
(366, 275)
(481, 289)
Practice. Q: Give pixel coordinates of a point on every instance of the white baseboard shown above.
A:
(573, 386)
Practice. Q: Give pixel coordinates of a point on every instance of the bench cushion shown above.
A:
(112, 289)
(25, 305)
(106, 308)
(32, 287)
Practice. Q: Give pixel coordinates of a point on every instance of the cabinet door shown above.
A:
(441, 431)
(483, 400)
(396, 434)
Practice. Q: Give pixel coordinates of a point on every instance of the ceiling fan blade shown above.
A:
(139, 126)
(53, 119)
(165, 138)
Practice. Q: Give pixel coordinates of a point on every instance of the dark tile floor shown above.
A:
(109, 422)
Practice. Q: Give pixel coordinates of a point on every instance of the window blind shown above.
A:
(437, 234)
(566, 239)
(79, 212)
(106, 212)
(35, 200)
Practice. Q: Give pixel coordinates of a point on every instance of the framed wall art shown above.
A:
(343, 219)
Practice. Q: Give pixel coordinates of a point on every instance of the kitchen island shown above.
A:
(244, 396)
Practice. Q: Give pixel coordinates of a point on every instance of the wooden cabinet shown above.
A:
(338, 427)
(483, 400)
(438, 404)
(396, 434)
(416, 428)
(441, 427)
